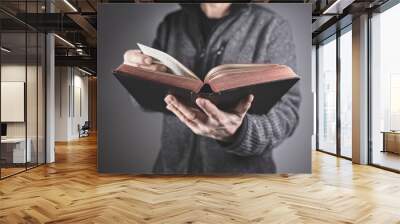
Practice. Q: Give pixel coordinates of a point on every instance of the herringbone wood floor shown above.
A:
(71, 191)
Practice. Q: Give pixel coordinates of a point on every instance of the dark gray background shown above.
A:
(128, 138)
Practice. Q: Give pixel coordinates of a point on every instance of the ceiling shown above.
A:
(76, 21)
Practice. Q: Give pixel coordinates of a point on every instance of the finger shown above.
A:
(161, 67)
(186, 111)
(136, 57)
(154, 67)
(196, 126)
(191, 124)
(244, 105)
(210, 109)
(178, 113)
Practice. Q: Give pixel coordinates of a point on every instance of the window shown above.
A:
(327, 96)
(346, 93)
(385, 89)
(333, 77)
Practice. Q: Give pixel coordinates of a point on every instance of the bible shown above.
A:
(224, 85)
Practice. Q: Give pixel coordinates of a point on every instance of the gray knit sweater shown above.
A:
(249, 34)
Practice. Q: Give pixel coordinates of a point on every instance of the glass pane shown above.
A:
(327, 97)
(386, 89)
(41, 98)
(346, 94)
(31, 100)
(13, 86)
(23, 90)
(31, 88)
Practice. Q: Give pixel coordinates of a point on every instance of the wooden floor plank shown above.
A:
(71, 191)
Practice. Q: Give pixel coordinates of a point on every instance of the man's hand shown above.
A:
(137, 59)
(210, 121)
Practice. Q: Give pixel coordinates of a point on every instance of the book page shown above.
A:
(174, 65)
(231, 68)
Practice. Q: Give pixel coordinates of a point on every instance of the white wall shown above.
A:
(62, 81)
(70, 83)
(80, 109)
(14, 73)
(13, 101)
(17, 73)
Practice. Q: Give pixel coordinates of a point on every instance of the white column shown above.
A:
(360, 90)
(314, 91)
(50, 99)
(50, 92)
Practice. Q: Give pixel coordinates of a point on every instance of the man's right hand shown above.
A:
(137, 59)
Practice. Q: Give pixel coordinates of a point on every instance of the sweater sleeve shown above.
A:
(264, 132)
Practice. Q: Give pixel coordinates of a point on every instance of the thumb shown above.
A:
(244, 105)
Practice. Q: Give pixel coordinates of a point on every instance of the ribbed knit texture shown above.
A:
(251, 34)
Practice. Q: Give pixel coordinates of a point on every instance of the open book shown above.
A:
(225, 85)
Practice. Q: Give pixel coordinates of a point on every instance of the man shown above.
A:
(209, 140)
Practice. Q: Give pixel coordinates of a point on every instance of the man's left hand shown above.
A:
(210, 121)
